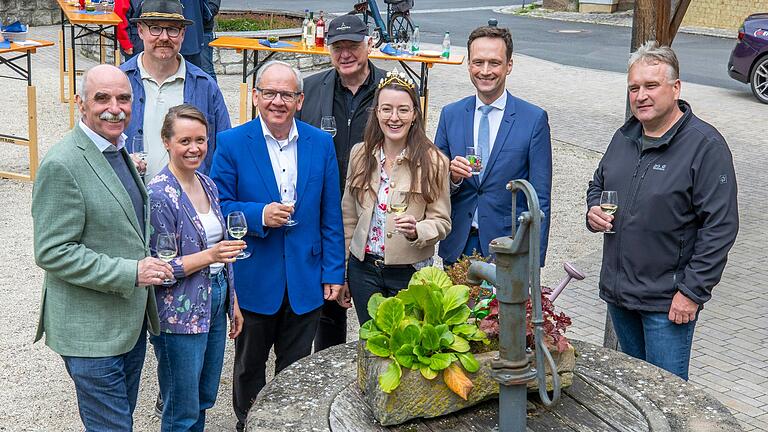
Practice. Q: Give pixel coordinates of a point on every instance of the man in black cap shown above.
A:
(344, 92)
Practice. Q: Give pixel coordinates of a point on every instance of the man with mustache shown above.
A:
(511, 138)
(91, 233)
(666, 245)
(161, 78)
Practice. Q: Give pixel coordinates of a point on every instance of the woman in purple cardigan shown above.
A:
(192, 309)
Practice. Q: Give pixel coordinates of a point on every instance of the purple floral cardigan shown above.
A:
(185, 306)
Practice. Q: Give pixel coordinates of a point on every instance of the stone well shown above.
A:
(320, 393)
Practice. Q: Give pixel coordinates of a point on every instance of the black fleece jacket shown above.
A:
(677, 217)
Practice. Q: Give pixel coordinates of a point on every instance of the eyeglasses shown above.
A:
(156, 30)
(270, 94)
(402, 111)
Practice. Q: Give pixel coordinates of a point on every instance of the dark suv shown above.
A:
(749, 58)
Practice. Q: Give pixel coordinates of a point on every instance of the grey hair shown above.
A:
(83, 90)
(652, 53)
(296, 73)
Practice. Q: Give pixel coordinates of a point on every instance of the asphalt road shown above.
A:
(703, 59)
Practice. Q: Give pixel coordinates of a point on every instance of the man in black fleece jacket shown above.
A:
(677, 215)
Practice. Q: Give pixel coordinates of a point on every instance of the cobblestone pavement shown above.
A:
(585, 107)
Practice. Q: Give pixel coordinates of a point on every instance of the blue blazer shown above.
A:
(299, 258)
(522, 150)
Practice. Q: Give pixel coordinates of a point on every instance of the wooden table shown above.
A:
(247, 45)
(80, 26)
(18, 59)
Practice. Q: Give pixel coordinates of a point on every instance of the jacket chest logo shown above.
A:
(659, 167)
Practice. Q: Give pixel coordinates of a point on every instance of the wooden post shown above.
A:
(32, 122)
(243, 103)
(61, 68)
(653, 20)
(72, 75)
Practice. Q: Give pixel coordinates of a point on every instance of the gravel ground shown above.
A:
(37, 394)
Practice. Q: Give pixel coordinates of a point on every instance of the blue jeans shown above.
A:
(206, 56)
(107, 387)
(189, 366)
(652, 337)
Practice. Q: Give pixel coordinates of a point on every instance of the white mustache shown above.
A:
(108, 116)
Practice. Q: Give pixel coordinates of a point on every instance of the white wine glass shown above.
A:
(328, 124)
(237, 227)
(609, 204)
(141, 154)
(288, 197)
(398, 204)
(166, 250)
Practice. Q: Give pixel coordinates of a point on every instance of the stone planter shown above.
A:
(417, 397)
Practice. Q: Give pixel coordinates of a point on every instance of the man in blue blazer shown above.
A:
(512, 138)
(292, 269)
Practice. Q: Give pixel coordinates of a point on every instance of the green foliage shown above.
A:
(423, 327)
(254, 22)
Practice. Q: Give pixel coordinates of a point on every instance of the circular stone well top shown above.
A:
(320, 393)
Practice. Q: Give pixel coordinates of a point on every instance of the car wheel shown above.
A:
(759, 80)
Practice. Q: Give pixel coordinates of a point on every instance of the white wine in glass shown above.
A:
(609, 204)
(288, 197)
(166, 250)
(237, 226)
(328, 124)
(398, 203)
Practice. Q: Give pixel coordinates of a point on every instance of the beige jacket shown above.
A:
(433, 220)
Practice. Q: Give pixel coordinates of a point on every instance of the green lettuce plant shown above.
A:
(424, 328)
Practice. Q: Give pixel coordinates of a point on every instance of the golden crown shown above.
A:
(399, 78)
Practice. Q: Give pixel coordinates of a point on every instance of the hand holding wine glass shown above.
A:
(167, 250)
(609, 204)
(328, 124)
(237, 226)
(398, 204)
(288, 198)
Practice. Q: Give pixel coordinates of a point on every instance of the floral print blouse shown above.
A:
(185, 306)
(377, 231)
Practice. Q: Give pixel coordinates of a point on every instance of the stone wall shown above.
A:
(32, 12)
(725, 14)
(561, 5)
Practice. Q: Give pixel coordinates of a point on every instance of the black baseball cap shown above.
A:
(347, 27)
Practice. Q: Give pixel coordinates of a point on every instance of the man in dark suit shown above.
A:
(281, 287)
(510, 135)
(344, 92)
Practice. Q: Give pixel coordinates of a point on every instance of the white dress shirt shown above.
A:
(494, 122)
(101, 142)
(282, 155)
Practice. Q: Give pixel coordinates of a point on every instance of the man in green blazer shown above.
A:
(91, 230)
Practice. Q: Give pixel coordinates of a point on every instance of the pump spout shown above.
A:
(480, 271)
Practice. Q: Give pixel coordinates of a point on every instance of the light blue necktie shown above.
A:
(484, 137)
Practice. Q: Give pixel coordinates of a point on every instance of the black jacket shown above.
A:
(318, 102)
(677, 217)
